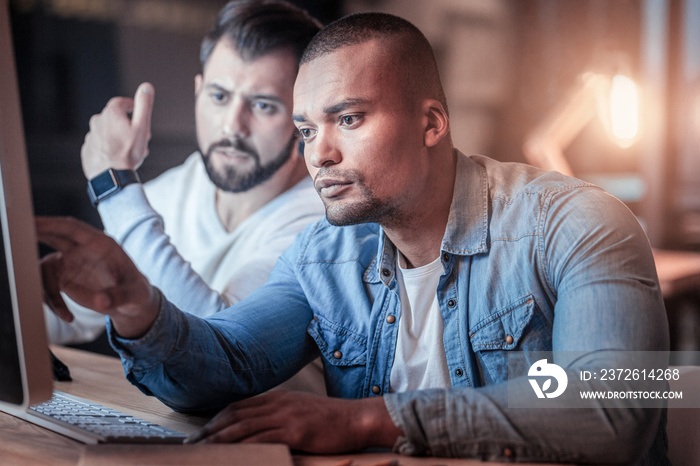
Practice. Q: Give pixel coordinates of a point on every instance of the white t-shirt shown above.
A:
(419, 361)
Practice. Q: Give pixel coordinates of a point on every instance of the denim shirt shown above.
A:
(533, 261)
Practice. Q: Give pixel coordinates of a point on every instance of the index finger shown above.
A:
(221, 420)
(141, 117)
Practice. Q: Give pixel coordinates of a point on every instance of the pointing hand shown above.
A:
(115, 140)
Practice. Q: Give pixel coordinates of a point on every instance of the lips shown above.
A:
(232, 153)
(331, 187)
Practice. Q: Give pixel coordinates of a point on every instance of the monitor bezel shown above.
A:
(19, 235)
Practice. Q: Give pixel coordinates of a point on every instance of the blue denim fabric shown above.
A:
(533, 260)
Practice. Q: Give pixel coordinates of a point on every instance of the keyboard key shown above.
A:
(109, 425)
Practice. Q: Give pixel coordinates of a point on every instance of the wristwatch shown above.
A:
(109, 182)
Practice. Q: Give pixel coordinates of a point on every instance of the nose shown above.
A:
(236, 123)
(323, 151)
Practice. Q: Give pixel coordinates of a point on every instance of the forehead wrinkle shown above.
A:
(344, 105)
(333, 109)
(319, 83)
(228, 71)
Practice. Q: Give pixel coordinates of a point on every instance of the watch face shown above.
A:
(103, 184)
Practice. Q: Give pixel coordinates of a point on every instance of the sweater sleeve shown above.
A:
(132, 222)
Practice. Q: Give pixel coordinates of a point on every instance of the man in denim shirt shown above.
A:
(522, 260)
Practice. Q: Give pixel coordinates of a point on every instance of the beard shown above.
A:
(368, 209)
(234, 180)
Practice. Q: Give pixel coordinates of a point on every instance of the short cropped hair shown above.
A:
(404, 43)
(257, 27)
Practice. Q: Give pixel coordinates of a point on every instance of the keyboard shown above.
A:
(106, 425)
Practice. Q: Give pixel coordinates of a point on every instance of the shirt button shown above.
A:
(459, 372)
(391, 319)
(508, 453)
(445, 257)
(376, 390)
(509, 339)
(451, 303)
(337, 354)
(386, 272)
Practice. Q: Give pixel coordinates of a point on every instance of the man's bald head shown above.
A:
(405, 47)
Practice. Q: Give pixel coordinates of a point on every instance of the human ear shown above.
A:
(197, 84)
(436, 122)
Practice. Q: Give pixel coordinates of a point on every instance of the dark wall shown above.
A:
(73, 56)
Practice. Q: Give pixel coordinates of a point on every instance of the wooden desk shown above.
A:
(101, 379)
(678, 271)
(679, 279)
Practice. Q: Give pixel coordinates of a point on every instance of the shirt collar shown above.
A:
(467, 225)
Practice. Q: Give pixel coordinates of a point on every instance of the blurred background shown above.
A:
(527, 81)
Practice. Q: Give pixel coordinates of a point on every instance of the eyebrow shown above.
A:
(250, 97)
(333, 109)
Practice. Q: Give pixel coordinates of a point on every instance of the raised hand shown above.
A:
(94, 271)
(115, 140)
(303, 421)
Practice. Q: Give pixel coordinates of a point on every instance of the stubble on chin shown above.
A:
(369, 209)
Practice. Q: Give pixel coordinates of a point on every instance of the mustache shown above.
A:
(353, 176)
(236, 144)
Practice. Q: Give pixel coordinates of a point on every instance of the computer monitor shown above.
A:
(25, 371)
(26, 375)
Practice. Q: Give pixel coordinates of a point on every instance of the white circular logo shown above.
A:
(545, 372)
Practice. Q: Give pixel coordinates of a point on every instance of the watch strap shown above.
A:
(110, 182)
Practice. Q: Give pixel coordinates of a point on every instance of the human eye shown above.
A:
(350, 121)
(265, 107)
(306, 133)
(218, 97)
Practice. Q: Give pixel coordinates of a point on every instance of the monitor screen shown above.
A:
(25, 371)
(10, 373)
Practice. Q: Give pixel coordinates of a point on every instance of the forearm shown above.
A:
(478, 423)
(129, 218)
(194, 364)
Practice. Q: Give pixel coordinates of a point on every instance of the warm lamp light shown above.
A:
(624, 110)
(615, 100)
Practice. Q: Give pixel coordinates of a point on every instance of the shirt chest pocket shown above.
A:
(344, 356)
(518, 326)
